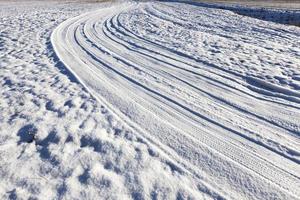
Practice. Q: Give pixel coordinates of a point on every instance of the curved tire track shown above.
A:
(139, 89)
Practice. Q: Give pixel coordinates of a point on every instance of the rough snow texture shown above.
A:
(147, 101)
(56, 141)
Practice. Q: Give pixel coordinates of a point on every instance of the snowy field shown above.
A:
(282, 4)
(147, 101)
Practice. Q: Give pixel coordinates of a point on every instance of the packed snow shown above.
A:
(150, 100)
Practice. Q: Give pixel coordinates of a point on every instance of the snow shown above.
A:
(284, 12)
(145, 100)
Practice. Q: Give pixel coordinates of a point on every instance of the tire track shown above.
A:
(207, 78)
(105, 72)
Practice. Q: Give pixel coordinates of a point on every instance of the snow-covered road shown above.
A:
(147, 101)
(56, 141)
(216, 92)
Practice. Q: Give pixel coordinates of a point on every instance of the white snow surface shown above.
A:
(147, 101)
